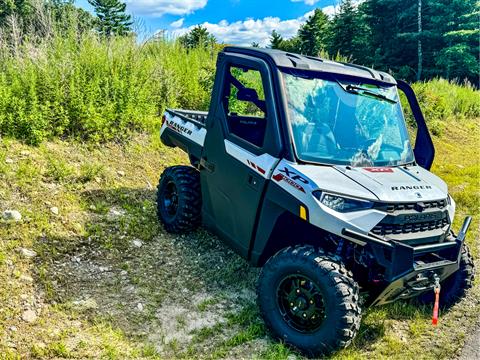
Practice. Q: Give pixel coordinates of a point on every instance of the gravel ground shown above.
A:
(471, 350)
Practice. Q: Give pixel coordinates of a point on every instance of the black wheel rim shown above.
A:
(301, 303)
(170, 199)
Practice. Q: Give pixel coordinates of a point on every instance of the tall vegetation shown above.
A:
(61, 77)
(82, 85)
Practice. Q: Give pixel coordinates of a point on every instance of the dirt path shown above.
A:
(471, 350)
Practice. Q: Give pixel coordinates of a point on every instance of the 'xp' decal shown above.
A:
(291, 178)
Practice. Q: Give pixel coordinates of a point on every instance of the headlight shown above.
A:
(342, 204)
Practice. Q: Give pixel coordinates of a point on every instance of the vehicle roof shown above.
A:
(296, 61)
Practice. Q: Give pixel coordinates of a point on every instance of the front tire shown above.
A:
(179, 199)
(454, 288)
(309, 300)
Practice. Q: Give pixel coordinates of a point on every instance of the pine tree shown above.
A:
(112, 19)
(276, 40)
(393, 37)
(349, 33)
(460, 58)
(439, 40)
(314, 34)
(291, 45)
(198, 37)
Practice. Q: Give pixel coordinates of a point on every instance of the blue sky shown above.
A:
(231, 21)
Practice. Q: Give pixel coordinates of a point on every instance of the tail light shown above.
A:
(164, 119)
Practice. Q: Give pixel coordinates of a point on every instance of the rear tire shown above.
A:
(302, 275)
(179, 199)
(454, 288)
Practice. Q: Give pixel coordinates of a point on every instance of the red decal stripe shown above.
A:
(261, 170)
(278, 177)
(256, 167)
(379, 170)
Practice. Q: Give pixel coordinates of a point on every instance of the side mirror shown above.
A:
(247, 94)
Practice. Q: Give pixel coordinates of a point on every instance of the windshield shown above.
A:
(345, 122)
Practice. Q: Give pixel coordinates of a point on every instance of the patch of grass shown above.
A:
(27, 172)
(181, 321)
(203, 305)
(90, 172)
(206, 333)
(58, 349)
(149, 351)
(83, 251)
(274, 351)
(58, 170)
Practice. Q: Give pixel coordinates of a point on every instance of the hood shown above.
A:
(386, 184)
(398, 184)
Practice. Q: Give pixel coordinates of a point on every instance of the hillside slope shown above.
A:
(87, 272)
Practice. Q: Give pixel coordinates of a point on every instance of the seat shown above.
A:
(318, 139)
(249, 128)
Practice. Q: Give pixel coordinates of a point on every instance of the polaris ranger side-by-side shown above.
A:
(304, 166)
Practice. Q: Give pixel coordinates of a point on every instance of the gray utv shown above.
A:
(305, 167)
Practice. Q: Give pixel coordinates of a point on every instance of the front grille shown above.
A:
(389, 229)
(438, 204)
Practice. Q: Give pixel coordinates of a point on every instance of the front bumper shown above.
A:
(410, 270)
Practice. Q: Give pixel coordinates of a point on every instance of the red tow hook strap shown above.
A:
(435, 307)
(437, 301)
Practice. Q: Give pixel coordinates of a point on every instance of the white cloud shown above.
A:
(308, 2)
(248, 31)
(253, 30)
(331, 10)
(177, 24)
(161, 7)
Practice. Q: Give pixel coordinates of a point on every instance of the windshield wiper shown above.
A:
(353, 89)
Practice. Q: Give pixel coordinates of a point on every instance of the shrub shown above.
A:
(88, 88)
(442, 100)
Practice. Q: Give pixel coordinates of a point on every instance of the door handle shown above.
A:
(253, 181)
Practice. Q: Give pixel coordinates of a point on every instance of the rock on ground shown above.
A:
(29, 316)
(27, 253)
(87, 304)
(137, 243)
(12, 215)
(26, 278)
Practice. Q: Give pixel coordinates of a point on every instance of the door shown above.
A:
(241, 149)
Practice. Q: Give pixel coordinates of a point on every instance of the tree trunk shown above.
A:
(420, 53)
